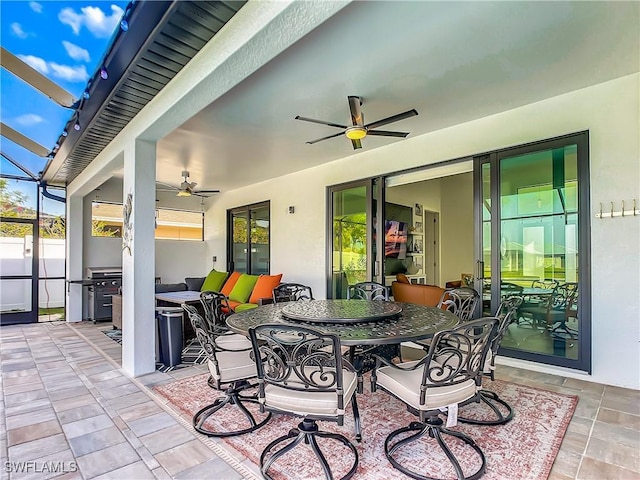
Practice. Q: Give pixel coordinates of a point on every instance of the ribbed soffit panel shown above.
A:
(186, 30)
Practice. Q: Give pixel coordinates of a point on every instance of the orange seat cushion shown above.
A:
(402, 278)
(264, 287)
(230, 283)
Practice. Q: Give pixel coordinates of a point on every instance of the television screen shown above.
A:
(395, 239)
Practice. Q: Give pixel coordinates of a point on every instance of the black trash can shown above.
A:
(170, 328)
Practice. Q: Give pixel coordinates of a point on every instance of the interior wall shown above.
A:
(609, 112)
(456, 227)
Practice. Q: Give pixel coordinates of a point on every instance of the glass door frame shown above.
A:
(581, 139)
(373, 189)
(12, 318)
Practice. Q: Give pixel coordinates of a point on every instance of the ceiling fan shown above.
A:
(358, 129)
(187, 188)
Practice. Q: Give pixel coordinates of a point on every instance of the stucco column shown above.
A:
(138, 258)
(74, 227)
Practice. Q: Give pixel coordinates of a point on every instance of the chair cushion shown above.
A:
(230, 283)
(233, 366)
(213, 282)
(170, 287)
(310, 403)
(243, 288)
(233, 341)
(406, 386)
(264, 287)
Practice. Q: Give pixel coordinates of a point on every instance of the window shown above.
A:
(249, 239)
(171, 224)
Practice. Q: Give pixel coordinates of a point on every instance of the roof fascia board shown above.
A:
(254, 36)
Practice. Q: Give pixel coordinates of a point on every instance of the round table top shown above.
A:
(341, 311)
(414, 322)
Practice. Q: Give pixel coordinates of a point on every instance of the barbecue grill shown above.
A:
(104, 282)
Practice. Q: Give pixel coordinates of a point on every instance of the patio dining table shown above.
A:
(355, 322)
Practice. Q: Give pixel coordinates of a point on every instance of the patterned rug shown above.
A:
(192, 354)
(524, 448)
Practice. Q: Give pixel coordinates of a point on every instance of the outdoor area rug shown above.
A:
(192, 354)
(524, 448)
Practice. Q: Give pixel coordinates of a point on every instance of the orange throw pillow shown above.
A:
(230, 283)
(264, 287)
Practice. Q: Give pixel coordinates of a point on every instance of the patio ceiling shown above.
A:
(452, 61)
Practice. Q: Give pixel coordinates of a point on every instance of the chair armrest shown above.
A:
(265, 301)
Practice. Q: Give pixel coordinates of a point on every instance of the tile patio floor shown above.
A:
(66, 404)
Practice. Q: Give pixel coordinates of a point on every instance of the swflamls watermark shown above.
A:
(41, 467)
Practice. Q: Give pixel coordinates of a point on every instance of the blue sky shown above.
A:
(65, 41)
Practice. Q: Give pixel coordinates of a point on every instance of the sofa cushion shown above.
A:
(244, 306)
(170, 287)
(230, 283)
(243, 288)
(194, 283)
(213, 282)
(264, 287)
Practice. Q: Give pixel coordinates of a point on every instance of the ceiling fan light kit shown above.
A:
(358, 130)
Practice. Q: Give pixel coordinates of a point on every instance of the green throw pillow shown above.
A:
(245, 306)
(243, 288)
(214, 281)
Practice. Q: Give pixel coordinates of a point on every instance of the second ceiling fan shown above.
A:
(358, 129)
(187, 188)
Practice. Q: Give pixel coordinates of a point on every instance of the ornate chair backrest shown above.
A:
(212, 342)
(457, 355)
(564, 296)
(216, 310)
(298, 359)
(461, 302)
(547, 284)
(505, 314)
(291, 292)
(204, 336)
(367, 291)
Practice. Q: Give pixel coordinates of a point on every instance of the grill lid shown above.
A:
(103, 272)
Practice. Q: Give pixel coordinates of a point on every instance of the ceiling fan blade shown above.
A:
(385, 133)
(325, 138)
(356, 144)
(24, 142)
(354, 108)
(172, 187)
(321, 122)
(394, 118)
(207, 191)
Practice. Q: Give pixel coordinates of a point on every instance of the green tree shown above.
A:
(12, 206)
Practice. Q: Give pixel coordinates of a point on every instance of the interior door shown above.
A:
(533, 211)
(351, 257)
(18, 273)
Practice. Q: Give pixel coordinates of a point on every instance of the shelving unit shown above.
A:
(415, 250)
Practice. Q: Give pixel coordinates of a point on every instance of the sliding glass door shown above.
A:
(352, 245)
(532, 215)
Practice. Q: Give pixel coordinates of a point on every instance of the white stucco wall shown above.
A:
(609, 112)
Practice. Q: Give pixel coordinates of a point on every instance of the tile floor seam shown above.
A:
(219, 450)
(127, 433)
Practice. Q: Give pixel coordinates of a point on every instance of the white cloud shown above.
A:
(93, 18)
(29, 119)
(36, 62)
(16, 28)
(36, 7)
(71, 74)
(76, 52)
